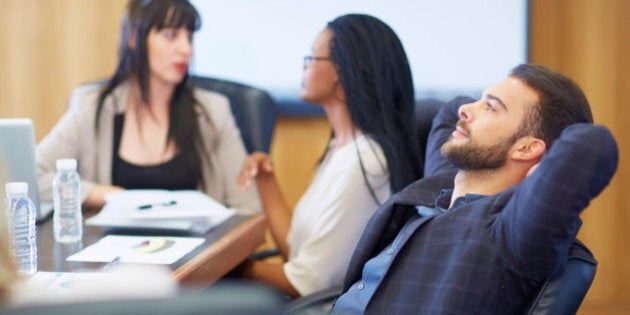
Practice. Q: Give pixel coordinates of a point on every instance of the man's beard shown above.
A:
(474, 157)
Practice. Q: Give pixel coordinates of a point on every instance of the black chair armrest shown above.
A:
(563, 292)
(320, 302)
(264, 254)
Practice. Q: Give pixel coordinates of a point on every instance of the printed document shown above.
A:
(181, 210)
(138, 249)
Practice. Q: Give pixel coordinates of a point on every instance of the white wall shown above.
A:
(453, 46)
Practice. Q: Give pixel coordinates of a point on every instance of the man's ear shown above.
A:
(528, 149)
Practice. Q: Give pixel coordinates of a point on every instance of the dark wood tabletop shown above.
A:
(225, 246)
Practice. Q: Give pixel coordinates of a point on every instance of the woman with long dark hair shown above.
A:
(359, 74)
(147, 127)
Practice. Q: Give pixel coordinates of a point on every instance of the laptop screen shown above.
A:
(18, 160)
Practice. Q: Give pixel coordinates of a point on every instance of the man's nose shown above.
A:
(465, 112)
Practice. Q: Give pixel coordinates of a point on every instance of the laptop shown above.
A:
(18, 160)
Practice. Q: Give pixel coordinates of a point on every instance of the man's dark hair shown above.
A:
(561, 102)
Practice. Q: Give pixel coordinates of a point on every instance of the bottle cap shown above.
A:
(16, 188)
(67, 164)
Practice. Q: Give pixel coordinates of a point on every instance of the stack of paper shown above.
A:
(183, 210)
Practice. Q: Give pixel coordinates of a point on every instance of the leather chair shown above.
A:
(564, 291)
(254, 110)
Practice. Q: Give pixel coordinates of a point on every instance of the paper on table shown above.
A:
(138, 249)
(187, 210)
(61, 281)
(123, 282)
(157, 204)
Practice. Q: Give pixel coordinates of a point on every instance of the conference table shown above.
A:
(225, 246)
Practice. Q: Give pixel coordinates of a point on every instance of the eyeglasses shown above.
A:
(309, 59)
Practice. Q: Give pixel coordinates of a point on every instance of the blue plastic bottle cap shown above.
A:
(67, 164)
(16, 188)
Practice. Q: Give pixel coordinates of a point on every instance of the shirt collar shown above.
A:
(443, 200)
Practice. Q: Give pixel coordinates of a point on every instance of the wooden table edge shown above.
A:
(249, 235)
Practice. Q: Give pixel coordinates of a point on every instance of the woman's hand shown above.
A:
(258, 163)
(96, 198)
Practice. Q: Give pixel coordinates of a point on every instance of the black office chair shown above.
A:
(254, 110)
(563, 292)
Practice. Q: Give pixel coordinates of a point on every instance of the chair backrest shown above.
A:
(254, 110)
(563, 292)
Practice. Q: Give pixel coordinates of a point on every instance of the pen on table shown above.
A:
(112, 263)
(159, 204)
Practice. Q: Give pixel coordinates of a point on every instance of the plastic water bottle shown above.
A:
(67, 218)
(20, 212)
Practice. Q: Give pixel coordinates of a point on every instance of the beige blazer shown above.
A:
(75, 136)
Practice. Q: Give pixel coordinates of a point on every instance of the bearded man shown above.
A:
(512, 172)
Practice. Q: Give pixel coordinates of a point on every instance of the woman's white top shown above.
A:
(330, 217)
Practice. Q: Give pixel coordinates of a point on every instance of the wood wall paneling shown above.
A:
(297, 146)
(49, 47)
(589, 42)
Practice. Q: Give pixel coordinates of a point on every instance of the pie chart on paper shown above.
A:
(154, 245)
